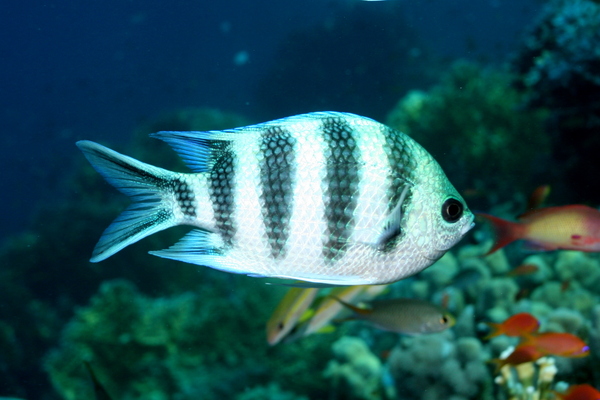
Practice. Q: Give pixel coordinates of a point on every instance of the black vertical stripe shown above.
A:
(402, 166)
(277, 172)
(341, 185)
(402, 169)
(221, 184)
(184, 195)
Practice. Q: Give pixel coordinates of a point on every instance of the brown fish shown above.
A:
(408, 316)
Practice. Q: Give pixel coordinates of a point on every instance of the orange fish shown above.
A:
(517, 325)
(580, 392)
(521, 354)
(572, 227)
(558, 344)
(523, 269)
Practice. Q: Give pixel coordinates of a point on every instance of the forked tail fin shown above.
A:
(505, 232)
(145, 184)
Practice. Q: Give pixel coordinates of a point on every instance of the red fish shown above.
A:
(517, 325)
(523, 269)
(521, 354)
(572, 227)
(580, 392)
(558, 344)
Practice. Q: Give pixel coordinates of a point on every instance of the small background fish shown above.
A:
(570, 227)
(318, 315)
(285, 317)
(407, 316)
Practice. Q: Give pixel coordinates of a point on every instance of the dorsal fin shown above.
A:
(199, 150)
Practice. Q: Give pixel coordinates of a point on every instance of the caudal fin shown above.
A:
(496, 330)
(147, 214)
(505, 231)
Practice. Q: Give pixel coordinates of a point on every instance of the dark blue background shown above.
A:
(95, 69)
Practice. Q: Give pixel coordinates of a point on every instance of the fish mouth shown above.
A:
(463, 232)
(468, 227)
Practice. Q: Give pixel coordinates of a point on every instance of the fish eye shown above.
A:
(444, 320)
(280, 326)
(452, 210)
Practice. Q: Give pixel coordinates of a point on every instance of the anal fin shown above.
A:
(201, 247)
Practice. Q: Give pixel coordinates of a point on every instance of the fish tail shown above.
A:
(496, 331)
(357, 310)
(144, 184)
(498, 363)
(527, 338)
(505, 232)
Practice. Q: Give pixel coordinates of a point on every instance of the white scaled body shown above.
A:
(330, 198)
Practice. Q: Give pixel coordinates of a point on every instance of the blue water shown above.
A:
(95, 70)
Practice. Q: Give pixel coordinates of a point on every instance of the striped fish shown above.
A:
(329, 198)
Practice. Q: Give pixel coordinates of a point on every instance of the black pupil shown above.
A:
(452, 210)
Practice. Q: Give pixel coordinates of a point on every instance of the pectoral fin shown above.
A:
(392, 228)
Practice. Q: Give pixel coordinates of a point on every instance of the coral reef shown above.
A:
(471, 118)
(184, 347)
(270, 392)
(562, 294)
(149, 345)
(560, 56)
(559, 67)
(439, 366)
(356, 371)
(531, 380)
